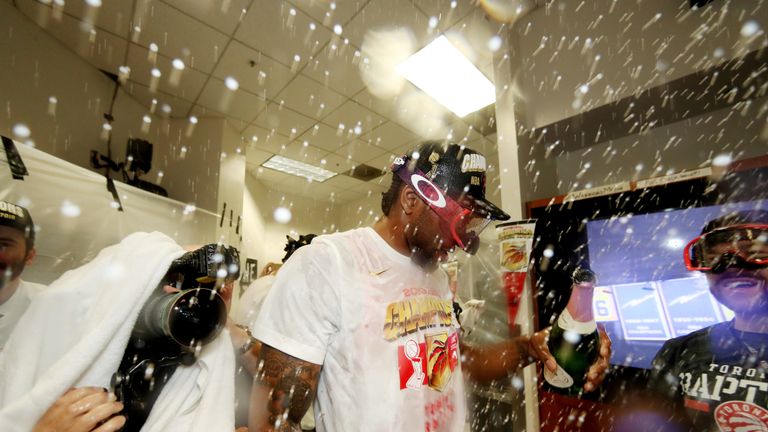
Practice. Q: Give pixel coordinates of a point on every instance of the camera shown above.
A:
(184, 313)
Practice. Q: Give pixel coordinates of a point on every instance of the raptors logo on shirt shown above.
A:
(735, 416)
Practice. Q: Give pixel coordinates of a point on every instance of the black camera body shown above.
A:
(184, 313)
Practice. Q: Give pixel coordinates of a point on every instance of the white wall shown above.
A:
(231, 187)
(72, 210)
(637, 49)
(37, 67)
(360, 213)
(263, 237)
(684, 145)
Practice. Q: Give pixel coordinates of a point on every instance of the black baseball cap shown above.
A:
(17, 217)
(457, 170)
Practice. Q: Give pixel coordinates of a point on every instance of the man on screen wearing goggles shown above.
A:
(717, 377)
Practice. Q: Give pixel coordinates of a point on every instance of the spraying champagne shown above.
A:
(573, 340)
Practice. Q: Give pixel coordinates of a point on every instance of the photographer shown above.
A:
(94, 328)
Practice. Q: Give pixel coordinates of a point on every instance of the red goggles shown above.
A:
(464, 224)
(746, 244)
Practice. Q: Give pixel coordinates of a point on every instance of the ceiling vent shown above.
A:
(364, 172)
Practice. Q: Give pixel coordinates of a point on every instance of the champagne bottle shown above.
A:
(573, 340)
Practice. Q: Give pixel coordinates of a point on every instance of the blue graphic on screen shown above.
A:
(689, 305)
(642, 277)
(640, 310)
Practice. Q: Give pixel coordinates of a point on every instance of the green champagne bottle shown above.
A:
(573, 340)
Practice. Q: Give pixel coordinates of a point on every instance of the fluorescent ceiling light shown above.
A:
(301, 169)
(444, 73)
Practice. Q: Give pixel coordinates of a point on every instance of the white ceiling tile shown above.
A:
(309, 155)
(256, 157)
(309, 97)
(382, 15)
(471, 36)
(324, 137)
(269, 27)
(100, 48)
(442, 10)
(385, 107)
(202, 112)
(351, 115)
(255, 72)
(222, 15)
(239, 104)
(337, 163)
(390, 136)
(283, 120)
(265, 139)
(188, 82)
(359, 151)
(113, 16)
(179, 108)
(406, 148)
(348, 196)
(343, 182)
(293, 185)
(197, 44)
(337, 68)
(329, 12)
(382, 162)
(375, 186)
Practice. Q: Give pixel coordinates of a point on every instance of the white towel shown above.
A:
(74, 334)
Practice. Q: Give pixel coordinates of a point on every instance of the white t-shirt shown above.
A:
(252, 299)
(382, 328)
(14, 308)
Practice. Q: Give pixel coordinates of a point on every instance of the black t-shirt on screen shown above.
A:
(717, 377)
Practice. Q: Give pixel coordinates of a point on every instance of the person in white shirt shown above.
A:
(17, 250)
(363, 319)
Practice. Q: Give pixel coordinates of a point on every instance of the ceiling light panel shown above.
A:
(445, 74)
(297, 168)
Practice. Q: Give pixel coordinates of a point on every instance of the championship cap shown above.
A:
(18, 218)
(458, 171)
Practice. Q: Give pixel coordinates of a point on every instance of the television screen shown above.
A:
(634, 241)
(645, 295)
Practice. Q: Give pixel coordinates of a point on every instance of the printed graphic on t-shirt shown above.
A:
(736, 416)
(733, 395)
(410, 315)
(436, 413)
(411, 361)
(428, 363)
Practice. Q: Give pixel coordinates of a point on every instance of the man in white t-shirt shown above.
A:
(363, 319)
(17, 250)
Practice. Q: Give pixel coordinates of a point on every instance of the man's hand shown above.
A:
(84, 409)
(596, 373)
(599, 368)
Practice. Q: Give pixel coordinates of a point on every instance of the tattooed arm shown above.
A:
(283, 389)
